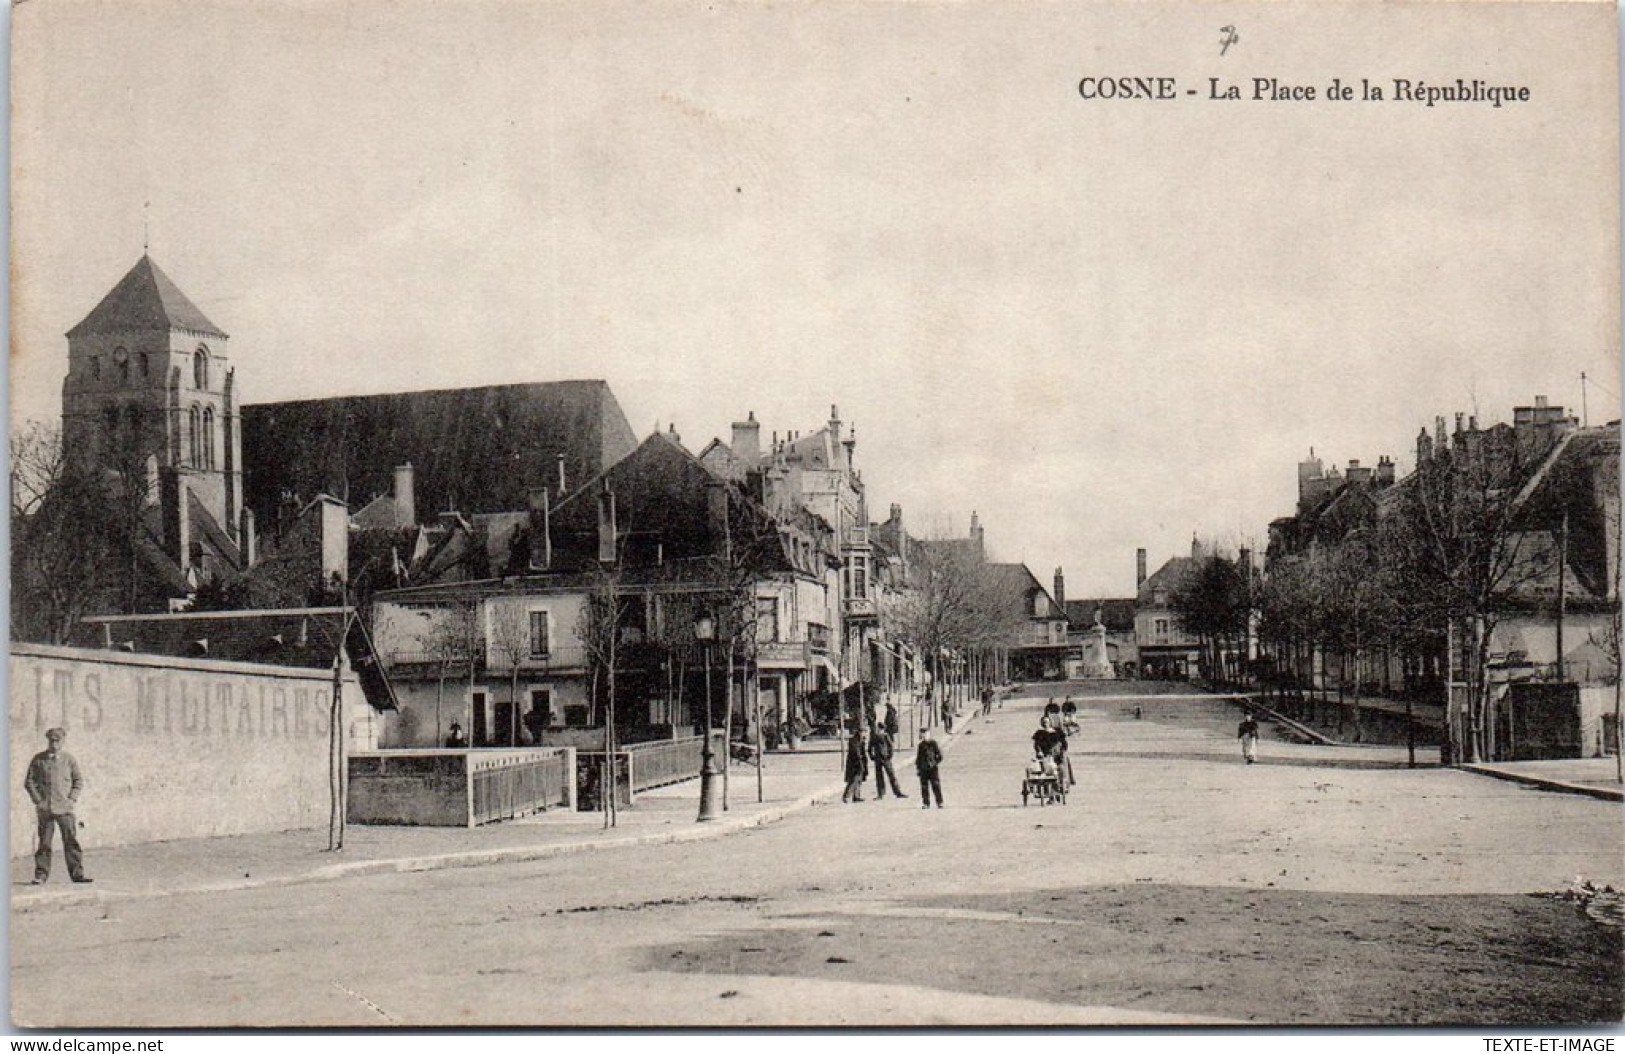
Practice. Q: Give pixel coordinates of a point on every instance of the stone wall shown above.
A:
(178, 748)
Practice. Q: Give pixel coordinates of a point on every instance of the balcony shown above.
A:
(861, 607)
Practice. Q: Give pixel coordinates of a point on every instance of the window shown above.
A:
(194, 449)
(208, 437)
(540, 638)
(767, 618)
(95, 367)
(145, 364)
(1162, 627)
(577, 715)
(121, 362)
(860, 577)
(200, 368)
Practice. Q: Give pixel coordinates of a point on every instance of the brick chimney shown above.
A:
(1139, 569)
(1357, 473)
(747, 444)
(1060, 590)
(406, 514)
(1385, 471)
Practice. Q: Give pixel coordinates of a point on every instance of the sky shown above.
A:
(1101, 325)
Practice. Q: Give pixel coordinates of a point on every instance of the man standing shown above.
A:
(857, 767)
(54, 784)
(880, 751)
(927, 762)
(1247, 732)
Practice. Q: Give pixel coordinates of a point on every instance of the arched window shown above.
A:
(194, 450)
(145, 365)
(121, 363)
(200, 368)
(208, 437)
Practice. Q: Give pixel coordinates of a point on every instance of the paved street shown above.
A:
(1323, 885)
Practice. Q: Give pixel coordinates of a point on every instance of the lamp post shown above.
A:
(705, 633)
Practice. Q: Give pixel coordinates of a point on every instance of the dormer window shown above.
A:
(200, 368)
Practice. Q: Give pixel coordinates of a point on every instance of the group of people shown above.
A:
(877, 743)
(1050, 757)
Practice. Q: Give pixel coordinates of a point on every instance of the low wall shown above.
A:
(457, 788)
(177, 748)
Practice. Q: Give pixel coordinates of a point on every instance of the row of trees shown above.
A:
(954, 603)
(1426, 572)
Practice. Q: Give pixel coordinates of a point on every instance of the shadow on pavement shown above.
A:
(1207, 952)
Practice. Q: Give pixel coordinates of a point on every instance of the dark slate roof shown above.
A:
(1116, 614)
(478, 450)
(1169, 576)
(145, 299)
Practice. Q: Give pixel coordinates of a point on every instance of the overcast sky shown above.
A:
(1101, 325)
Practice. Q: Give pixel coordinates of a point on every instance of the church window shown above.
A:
(195, 448)
(208, 437)
(200, 368)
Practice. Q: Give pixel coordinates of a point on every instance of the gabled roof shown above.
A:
(1169, 576)
(145, 299)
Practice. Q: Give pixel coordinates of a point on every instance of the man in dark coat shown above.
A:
(927, 762)
(54, 783)
(880, 752)
(857, 767)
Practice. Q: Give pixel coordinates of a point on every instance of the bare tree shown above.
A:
(1459, 554)
(76, 529)
(451, 643)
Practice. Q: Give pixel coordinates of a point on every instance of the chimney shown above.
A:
(1060, 590)
(747, 444)
(716, 510)
(851, 444)
(249, 539)
(1139, 569)
(1441, 438)
(1424, 447)
(606, 525)
(1357, 473)
(541, 530)
(1196, 548)
(177, 518)
(1385, 471)
(406, 514)
(563, 490)
(976, 533)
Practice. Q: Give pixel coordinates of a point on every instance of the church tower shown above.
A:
(150, 390)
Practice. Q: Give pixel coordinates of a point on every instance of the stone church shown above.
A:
(151, 396)
(151, 401)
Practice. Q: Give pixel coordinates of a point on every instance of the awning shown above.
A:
(834, 671)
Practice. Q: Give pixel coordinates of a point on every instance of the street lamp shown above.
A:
(705, 632)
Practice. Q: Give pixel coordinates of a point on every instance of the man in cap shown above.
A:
(54, 784)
